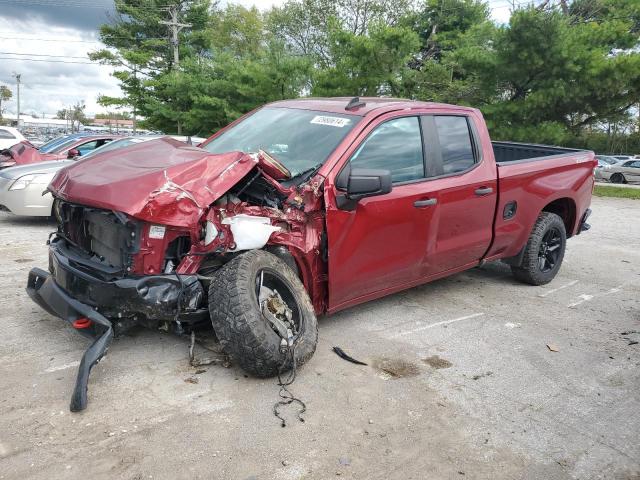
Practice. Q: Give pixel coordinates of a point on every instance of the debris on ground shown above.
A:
(287, 397)
(552, 347)
(344, 461)
(341, 353)
(626, 335)
(193, 380)
(206, 351)
(436, 362)
(397, 368)
(481, 375)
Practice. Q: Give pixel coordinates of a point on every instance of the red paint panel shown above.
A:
(534, 185)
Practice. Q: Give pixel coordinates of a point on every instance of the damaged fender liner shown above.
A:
(43, 290)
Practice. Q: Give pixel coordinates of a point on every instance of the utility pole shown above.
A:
(175, 29)
(18, 76)
(135, 120)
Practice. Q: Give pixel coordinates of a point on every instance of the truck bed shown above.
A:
(536, 177)
(505, 152)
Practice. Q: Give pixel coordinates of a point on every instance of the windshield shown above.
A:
(51, 144)
(299, 139)
(114, 145)
(604, 160)
(62, 145)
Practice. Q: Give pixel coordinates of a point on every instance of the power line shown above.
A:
(41, 55)
(27, 39)
(49, 61)
(74, 4)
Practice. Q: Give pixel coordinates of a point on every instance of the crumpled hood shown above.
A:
(160, 181)
(24, 154)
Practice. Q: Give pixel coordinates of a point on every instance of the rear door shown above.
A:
(381, 244)
(463, 178)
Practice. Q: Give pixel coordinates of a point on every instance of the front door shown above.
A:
(381, 243)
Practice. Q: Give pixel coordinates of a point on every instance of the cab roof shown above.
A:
(339, 104)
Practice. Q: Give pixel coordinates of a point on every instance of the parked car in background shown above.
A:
(622, 158)
(604, 160)
(625, 172)
(24, 153)
(52, 144)
(9, 136)
(21, 186)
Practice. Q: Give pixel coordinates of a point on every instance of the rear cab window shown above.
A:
(456, 146)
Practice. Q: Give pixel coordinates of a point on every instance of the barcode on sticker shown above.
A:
(331, 121)
(156, 231)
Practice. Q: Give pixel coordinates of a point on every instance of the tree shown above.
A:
(138, 46)
(246, 67)
(447, 30)
(5, 94)
(74, 114)
(555, 74)
(368, 64)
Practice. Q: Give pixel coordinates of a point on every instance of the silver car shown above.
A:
(22, 187)
(625, 172)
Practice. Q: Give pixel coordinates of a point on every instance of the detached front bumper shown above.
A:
(43, 289)
(100, 308)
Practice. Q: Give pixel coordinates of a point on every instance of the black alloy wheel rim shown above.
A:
(550, 250)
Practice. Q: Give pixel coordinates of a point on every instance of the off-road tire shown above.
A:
(529, 271)
(244, 333)
(618, 178)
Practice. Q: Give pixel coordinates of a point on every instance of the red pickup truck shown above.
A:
(299, 208)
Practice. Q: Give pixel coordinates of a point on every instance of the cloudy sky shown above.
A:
(46, 41)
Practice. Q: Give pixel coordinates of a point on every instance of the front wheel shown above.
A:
(258, 305)
(544, 251)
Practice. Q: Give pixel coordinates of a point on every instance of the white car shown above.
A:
(9, 136)
(625, 172)
(21, 187)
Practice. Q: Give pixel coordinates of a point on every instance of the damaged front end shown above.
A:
(138, 245)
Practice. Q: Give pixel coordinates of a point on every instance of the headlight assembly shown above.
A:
(24, 181)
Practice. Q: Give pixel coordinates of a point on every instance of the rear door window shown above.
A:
(395, 145)
(456, 145)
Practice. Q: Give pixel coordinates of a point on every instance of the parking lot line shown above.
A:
(437, 324)
(554, 290)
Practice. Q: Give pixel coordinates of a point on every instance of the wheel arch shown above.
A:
(565, 208)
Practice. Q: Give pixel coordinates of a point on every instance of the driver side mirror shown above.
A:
(73, 153)
(359, 183)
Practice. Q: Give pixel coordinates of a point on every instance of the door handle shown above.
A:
(484, 191)
(425, 203)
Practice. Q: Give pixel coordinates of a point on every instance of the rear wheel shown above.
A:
(258, 304)
(618, 178)
(544, 251)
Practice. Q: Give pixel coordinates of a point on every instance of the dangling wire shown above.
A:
(287, 397)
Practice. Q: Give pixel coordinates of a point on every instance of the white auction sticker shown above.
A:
(331, 121)
(156, 231)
